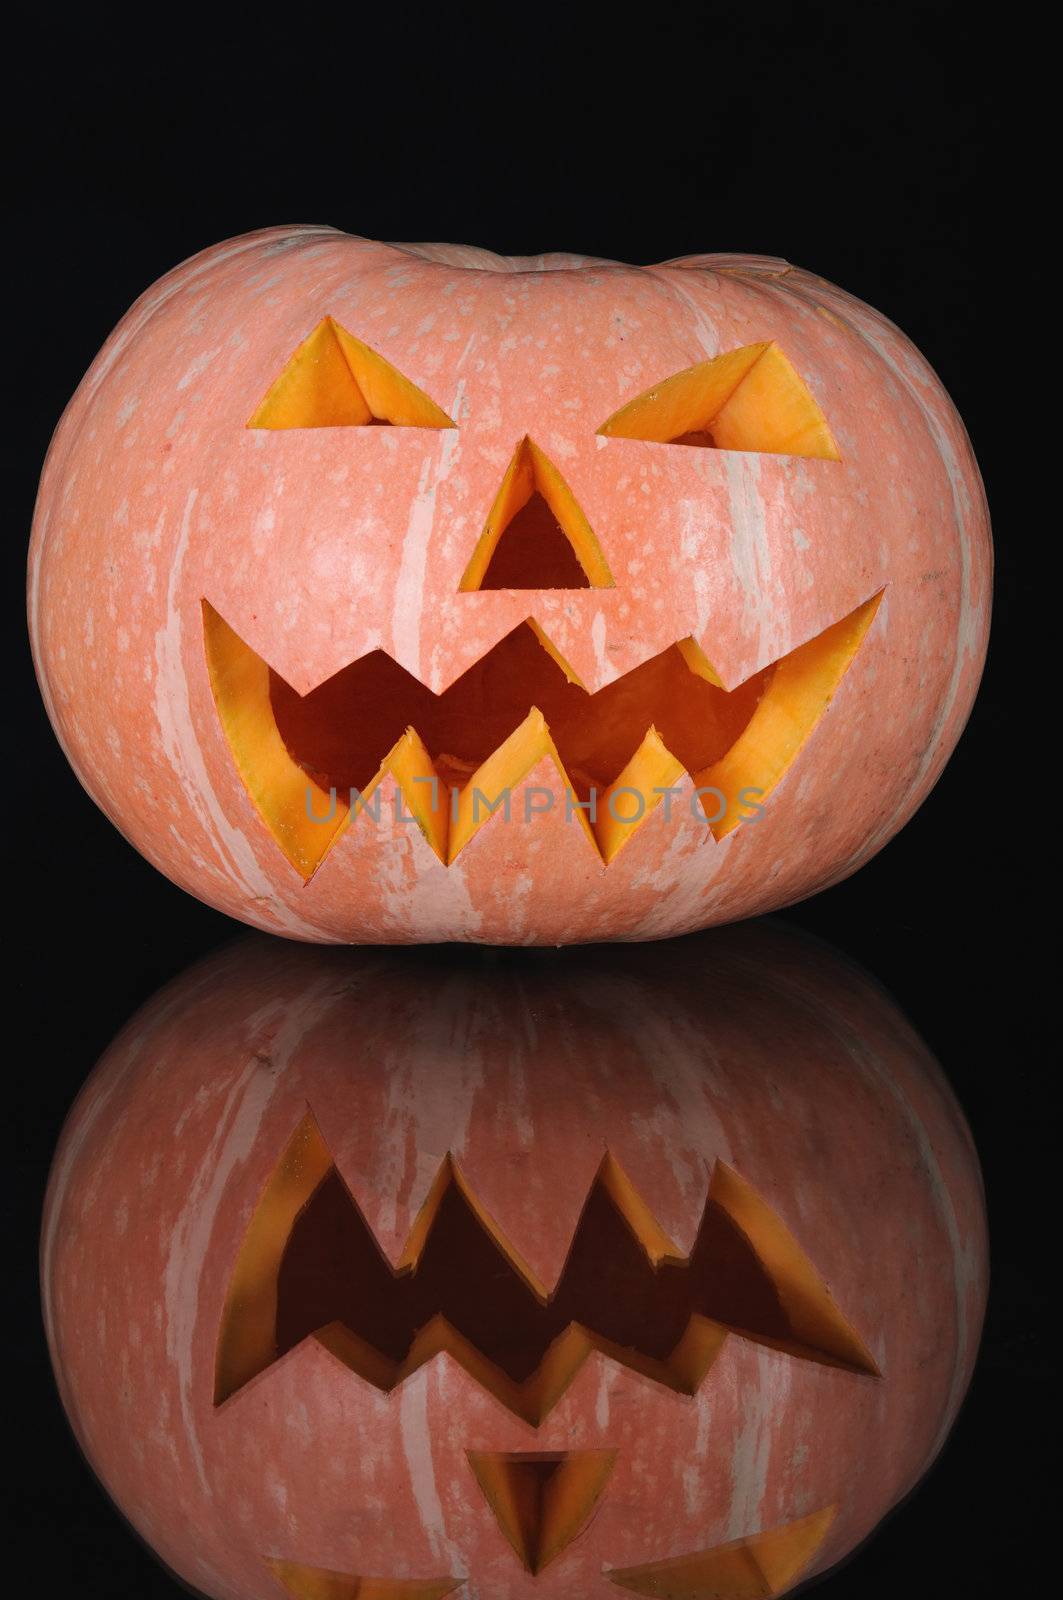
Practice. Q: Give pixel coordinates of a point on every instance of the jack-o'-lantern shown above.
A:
(394, 594)
(369, 1277)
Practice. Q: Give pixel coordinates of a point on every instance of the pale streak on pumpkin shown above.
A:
(682, 1065)
(177, 730)
(693, 1489)
(408, 602)
(681, 892)
(692, 545)
(430, 1102)
(417, 1447)
(707, 331)
(751, 1459)
(438, 898)
(238, 1128)
(750, 551)
(413, 877)
(245, 1107)
(607, 1372)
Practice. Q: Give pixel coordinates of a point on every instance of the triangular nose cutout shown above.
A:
(542, 1501)
(533, 553)
(536, 535)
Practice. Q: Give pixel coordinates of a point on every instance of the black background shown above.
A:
(881, 151)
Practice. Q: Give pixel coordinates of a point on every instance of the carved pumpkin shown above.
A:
(684, 570)
(369, 1277)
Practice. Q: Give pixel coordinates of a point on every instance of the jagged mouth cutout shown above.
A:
(454, 755)
(310, 1267)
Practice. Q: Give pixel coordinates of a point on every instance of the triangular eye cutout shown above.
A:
(335, 381)
(536, 535)
(317, 1583)
(755, 1568)
(748, 399)
(542, 1501)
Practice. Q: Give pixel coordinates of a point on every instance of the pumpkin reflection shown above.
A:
(538, 1273)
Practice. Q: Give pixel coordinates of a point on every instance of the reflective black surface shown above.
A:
(877, 158)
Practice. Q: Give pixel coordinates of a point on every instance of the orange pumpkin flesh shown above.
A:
(539, 1279)
(335, 381)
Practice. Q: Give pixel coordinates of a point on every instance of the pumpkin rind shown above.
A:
(318, 545)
